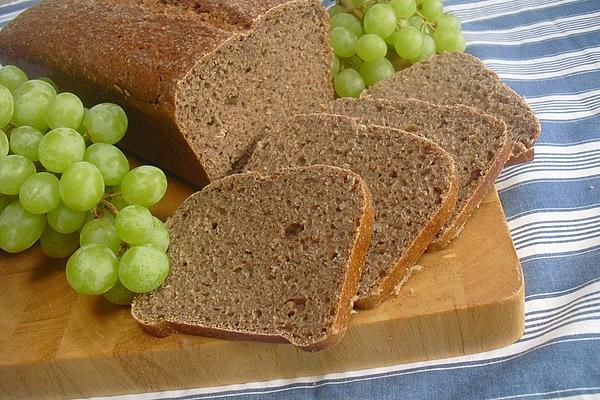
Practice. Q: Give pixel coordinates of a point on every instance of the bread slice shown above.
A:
(459, 78)
(199, 78)
(269, 258)
(477, 142)
(413, 181)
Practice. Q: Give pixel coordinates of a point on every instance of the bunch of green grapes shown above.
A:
(371, 39)
(65, 183)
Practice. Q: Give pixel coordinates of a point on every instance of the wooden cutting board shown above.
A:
(54, 343)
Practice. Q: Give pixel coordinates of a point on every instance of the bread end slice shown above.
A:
(273, 258)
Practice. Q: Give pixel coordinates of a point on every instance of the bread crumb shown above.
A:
(450, 255)
(411, 291)
(592, 187)
(353, 311)
(406, 277)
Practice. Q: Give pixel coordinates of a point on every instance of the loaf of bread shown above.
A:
(477, 142)
(459, 78)
(198, 80)
(413, 181)
(269, 258)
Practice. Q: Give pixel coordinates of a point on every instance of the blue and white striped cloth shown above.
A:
(548, 51)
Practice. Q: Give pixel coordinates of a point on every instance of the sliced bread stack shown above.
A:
(477, 142)
(459, 78)
(413, 181)
(269, 258)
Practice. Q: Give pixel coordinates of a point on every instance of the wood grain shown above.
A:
(56, 344)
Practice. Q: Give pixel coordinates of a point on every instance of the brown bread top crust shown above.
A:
(413, 182)
(477, 142)
(268, 258)
(149, 55)
(459, 78)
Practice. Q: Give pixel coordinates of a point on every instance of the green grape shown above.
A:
(335, 65)
(58, 245)
(404, 8)
(6, 200)
(409, 42)
(143, 268)
(81, 129)
(100, 231)
(81, 186)
(61, 148)
(119, 295)
(4, 145)
(343, 42)
(380, 20)
(30, 109)
(335, 9)
(447, 21)
(12, 77)
(19, 230)
(371, 47)
(64, 220)
(348, 83)
(416, 22)
(427, 50)
(35, 86)
(119, 202)
(50, 82)
(105, 123)
(431, 8)
(39, 193)
(111, 162)
(348, 21)
(373, 72)
(92, 269)
(24, 141)
(144, 185)
(356, 62)
(65, 111)
(134, 224)
(391, 40)
(160, 236)
(7, 106)
(448, 40)
(14, 170)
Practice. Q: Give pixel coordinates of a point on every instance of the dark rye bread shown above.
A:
(459, 78)
(413, 182)
(198, 79)
(269, 258)
(477, 142)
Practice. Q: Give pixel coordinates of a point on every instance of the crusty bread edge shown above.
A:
(165, 327)
(477, 196)
(353, 274)
(418, 246)
(523, 158)
(522, 155)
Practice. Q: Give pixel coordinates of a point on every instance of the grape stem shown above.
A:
(110, 207)
(111, 195)
(431, 25)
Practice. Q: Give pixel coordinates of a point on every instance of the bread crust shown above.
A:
(416, 249)
(523, 158)
(476, 197)
(364, 230)
(522, 146)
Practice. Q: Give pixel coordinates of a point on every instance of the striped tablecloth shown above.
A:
(548, 51)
